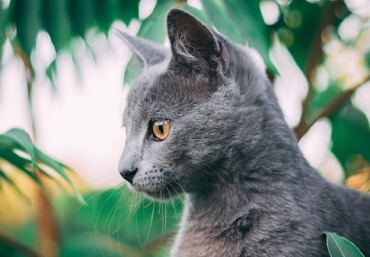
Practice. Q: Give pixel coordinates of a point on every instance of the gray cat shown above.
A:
(203, 119)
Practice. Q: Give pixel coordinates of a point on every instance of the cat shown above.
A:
(202, 119)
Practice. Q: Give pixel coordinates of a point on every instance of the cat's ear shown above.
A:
(148, 53)
(194, 44)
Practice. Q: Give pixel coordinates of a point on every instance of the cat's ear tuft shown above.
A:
(148, 53)
(194, 43)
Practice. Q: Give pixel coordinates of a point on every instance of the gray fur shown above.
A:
(249, 190)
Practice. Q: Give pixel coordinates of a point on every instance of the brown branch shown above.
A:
(315, 52)
(30, 75)
(20, 247)
(48, 229)
(315, 55)
(331, 108)
(48, 226)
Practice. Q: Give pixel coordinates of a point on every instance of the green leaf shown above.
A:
(93, 244)
(299, 27)
(21, 138)
(18, 139)
(154, 27)
(367, 59)
(13, 185)
(55, 18)
(26, 16)
(3, 14)
(350, 128)
(59, 168)
(218, 12)
(115, 213)
(111, 10)
(82, 16)
(321, 98)
(106, 13)
(341, 247)
(128, 10)
(19, 162)
(350, 136)
(51, 72)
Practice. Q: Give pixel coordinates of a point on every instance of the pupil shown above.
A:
(160, 128)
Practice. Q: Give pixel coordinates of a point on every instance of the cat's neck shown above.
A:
(265, 181)
(264, 185)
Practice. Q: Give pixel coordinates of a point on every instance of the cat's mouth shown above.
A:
(158, 190)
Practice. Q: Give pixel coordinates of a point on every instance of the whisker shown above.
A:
(150, 223)
(96, 232)
(172, 200)
(134, 205)
(121, 199)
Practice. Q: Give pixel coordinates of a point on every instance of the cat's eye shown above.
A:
(161, 129)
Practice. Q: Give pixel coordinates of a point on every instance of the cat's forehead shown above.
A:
(165, 93)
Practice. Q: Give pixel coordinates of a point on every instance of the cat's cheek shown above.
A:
(158, 182)
(148, 181)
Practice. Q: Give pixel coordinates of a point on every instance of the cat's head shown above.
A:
(183, 117)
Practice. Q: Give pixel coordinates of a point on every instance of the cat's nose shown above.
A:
(128, 164)
(128, 174)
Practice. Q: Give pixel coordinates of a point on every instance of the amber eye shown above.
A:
(161, 129)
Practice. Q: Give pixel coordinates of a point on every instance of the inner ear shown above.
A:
(192, 42)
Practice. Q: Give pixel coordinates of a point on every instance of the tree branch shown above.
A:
(315, 55)
(330, 109)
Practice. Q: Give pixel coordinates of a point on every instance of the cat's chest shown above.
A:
(199, 240)
(202, 245)
(203, 236)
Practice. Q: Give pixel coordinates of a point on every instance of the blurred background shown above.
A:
(64, 77)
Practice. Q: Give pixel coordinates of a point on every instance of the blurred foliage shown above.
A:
(108, 225)
(17, 149)
(121, 221)
(115, 222)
